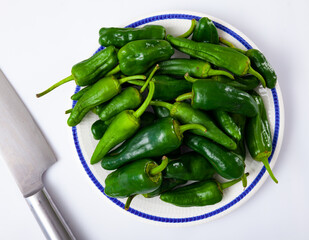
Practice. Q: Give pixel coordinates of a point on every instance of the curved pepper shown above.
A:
(138, 56)
(123, 126)
(90, 70)
(194, 67)
(100, 92)
(184, 113)
(119, 37)
(258, 136)
(162, 137)
(205, 31)
(190, 166)
(204, 193)
(217, 55)
(98, 129)
(166, 185)
(227, 163)
(210, 95)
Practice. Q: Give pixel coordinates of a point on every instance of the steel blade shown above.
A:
(22, 144)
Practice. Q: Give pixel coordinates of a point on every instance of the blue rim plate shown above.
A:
(154, 209)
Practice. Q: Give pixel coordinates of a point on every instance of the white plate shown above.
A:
(154, 209)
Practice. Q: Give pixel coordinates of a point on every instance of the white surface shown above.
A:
(39, 43)
(155, 206)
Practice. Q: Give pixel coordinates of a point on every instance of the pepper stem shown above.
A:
(190, 31)
(244, 180)
(184, 97)
(229, 44)
(138, 113)
(169, 106)
(67, 79)
(137, 82)
(270, 172)
(213, 72)
(128, 202)
(256, 74)
(160, 168)
(134, 77)
(113, 71)
(192, 126)
(149, 78)
(231, 183)
(189, 78)
(68, 111)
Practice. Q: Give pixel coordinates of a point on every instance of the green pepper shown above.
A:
(80, 93)
(184, 113)
(258, 135)
(100, 92)
(205, 31)
(147, 119)
(194, 67)
(90, 70)
(227, 124)
(138, 56)
(119, 37)
(130, 98)
(161, 112)
(98, 128)
(162, 137)
(227, 163)
(210, 95)
(166, 185)
(123, 126)
(217, 55)
(190, 166)
(245, 83)
(204, 193)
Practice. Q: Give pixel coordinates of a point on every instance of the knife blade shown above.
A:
(28, 155)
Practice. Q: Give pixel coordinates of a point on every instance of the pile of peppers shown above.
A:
(152, 108)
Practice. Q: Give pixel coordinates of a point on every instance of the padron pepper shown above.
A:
(100, 92)
(218, 55)
(205, 31)
(162, 137)
(90, 70)
(210, 95)
(123, 126)
(184, 113)
(166, 185)
(190, 166)
(138, 56)
(140, 177)
(258, 136)
(119, 37)
(194, 67)
(76, 96)
(226, 163)
(197, 194)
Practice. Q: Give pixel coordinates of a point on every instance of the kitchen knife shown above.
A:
(28, 156)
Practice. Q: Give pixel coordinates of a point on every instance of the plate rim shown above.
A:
(277, 137)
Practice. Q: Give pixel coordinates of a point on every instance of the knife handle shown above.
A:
(48, 216)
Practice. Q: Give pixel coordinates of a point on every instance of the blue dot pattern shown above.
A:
(234, 201)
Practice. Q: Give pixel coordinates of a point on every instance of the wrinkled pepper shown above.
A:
(210, 95)
(205, 31)
(160, 138)
(90, 70)
(258, 135)
(226, 163)
(184, 113)
(119, 37)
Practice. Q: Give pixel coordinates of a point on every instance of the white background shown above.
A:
(41, 40)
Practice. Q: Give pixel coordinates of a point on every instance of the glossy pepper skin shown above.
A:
(138, 56)
(211, 95)
(203, 193)
(184, 113)
(160, 138)
(226, 163)
(119, 37)
(205, 31)
(260, 63)
(258, 135)
(218, 55)
(131, 179)
(100, 92)
(129, 98)
(166, 185)
(240, 121)
(98, 129)
(194, 67)
(161, 112)
(190, 166)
